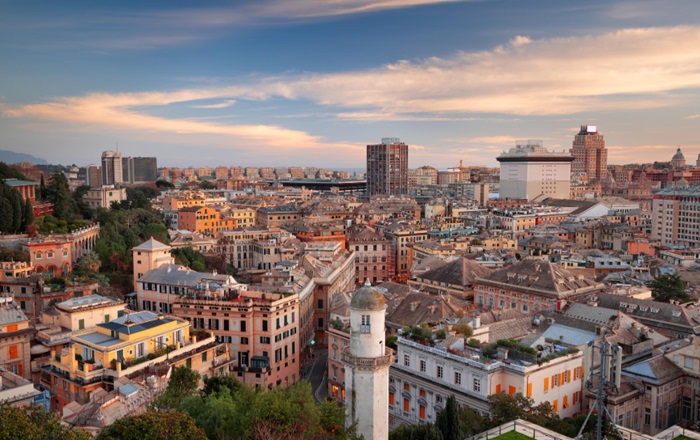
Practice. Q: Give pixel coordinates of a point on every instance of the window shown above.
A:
(364, 328)
(264, 340)
(320, 304)
(458, 378)
(477, 384)
(423, 365)
(264, 325)
(204, 356)
(555, 380)
(440, 371)
(407, 360)
(689, 362)
(243, 325)
(13, 352)
(406, 405)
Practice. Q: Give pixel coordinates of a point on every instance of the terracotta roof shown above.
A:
(538, 275)
(461, 272)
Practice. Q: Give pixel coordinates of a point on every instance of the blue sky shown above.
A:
(310, 82)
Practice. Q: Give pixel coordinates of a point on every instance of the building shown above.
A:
(145, 169)
(674, 216)
(529, 171)
(367, 361)
(103, 196)
(15, 334)
(261, 330)
(128, 346)
(423, 377)
(373, 256)
(93, 176)
(276, 216)
(590, 155)
(149, 255)
(257, 248)
(387, 168)
(26, 188)
(678, 160)
(531, 285)
(17, 391)
(403, 236)
(112, 172)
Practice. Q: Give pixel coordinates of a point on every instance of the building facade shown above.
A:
(112, 172)
(387, 168)
(590, 154)
(529, 171)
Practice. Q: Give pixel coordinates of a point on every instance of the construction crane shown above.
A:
(461, 170)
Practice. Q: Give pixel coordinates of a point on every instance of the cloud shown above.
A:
(693, 116)
(224, 104)
(493, 140)
(621, 70)
(621, 154)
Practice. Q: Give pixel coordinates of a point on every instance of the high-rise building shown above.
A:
(145, 169)
(529, 171)
(387, 168)
(590, 154)
(93, 176)
(112, 168)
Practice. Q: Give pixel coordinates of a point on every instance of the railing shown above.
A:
(474, 363)
(381, 361)
(520, 426)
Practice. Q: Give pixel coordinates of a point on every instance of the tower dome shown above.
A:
(678, 155)
(367, 298)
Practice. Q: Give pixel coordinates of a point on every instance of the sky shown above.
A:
(311, 82)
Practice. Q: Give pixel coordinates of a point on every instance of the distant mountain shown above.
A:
(10, 157)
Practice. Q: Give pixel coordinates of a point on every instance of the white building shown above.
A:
(675, 216)
(102, 197)
(529, 171)
(367, 361)
(423, 377)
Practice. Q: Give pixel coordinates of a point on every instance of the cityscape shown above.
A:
(400, 220)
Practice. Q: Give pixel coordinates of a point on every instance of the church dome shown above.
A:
(367, 298)
(678, 155)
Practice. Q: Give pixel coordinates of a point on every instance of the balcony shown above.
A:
(368, 363)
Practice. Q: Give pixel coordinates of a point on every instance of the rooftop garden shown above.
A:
(512, 435)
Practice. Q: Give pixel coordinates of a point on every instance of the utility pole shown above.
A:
(607, 376)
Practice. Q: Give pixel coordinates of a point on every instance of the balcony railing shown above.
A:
(368, 363)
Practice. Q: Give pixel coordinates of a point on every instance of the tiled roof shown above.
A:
(460, 272)
(10, 314)
(152, 245)
(540, 276)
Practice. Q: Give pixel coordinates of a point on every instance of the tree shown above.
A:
(190, 258)
(447, 420)
(58, 193)
(34, 423)
(250, 413)
(505, 408)
(154, 425)
(463, 329)
(665, 288)
(42, 188)
(160, 183)
(183, 383)
(426, 431)
(216, 383)
(28, 214)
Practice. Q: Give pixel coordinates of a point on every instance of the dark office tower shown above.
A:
(145, 169)
(112, 168)
(590, 154)
(128, 169)
(387, 168)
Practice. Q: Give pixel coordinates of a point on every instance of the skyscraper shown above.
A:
(387, 168)
(590, 154)
(112, 168)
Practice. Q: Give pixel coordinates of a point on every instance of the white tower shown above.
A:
(367, 363)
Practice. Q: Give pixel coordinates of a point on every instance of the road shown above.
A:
(317, 376)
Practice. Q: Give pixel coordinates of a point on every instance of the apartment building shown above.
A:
(423, 377)
(531, 285)
(103, 196)
(15, 336)
(403, 236)
(676, 216)
(374, 259)
(277, 216)
(261, 330)
(257, 248)
(128, 345)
